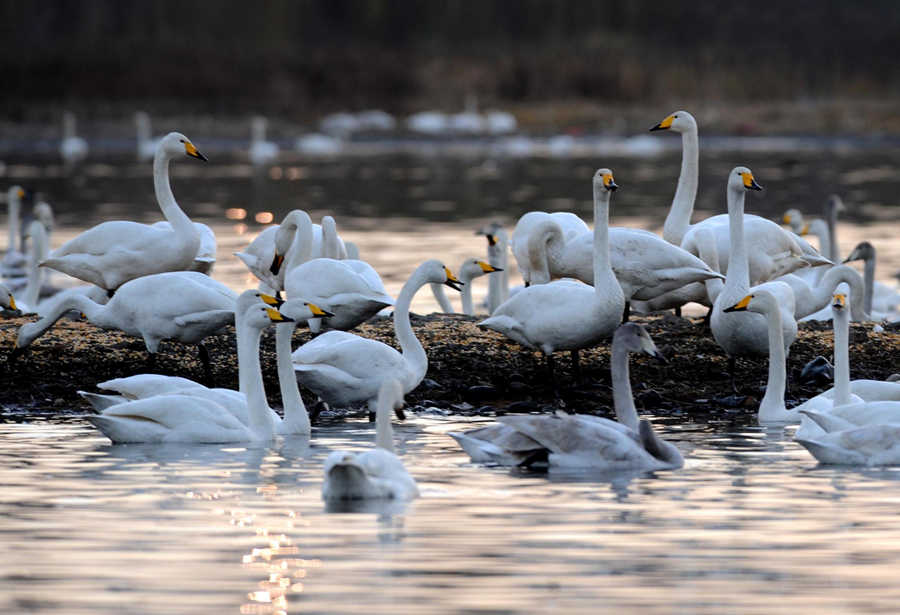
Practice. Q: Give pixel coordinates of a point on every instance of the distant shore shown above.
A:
(471, 372)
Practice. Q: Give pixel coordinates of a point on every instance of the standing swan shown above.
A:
(188, 418)
(376, 473)
(564, 440)
(343, 368)
(567, 314)
(112, 253)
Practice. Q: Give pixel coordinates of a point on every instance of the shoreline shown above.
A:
(471, 372)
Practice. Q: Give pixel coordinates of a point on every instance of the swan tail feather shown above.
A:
(831, 454)
(101, 402)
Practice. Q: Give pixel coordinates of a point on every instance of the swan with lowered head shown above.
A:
(880, 300)
(766, 303)
(580, 440)
(470, 269)
(72, 148)
(197, 419)
(296, 419)
(112, 253)
(261, 152)
(343, 369)
(376, 473)
(742, 334)
(568, 314)
(181, 305)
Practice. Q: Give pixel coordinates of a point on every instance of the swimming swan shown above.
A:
(342, 368)
(196, 419)
(376, 473)
(564, 440)
(112, 253)
(469, 269)
(567, 314)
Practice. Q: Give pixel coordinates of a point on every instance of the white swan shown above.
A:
(72, 148)
(13, 265)
(469, 269)
(564, 440)
(531, 229)
(112, 253)
(205, 259)
(880, 300)
(261, 152)
(773, 250)
(146, 143)
(810, 299)
(344, 369)
(184, 305)
(771, 408)
(296, 419)
(37, 252)
(567, 314)
(376, 473)
(743, 334)
(870, 445)
(189, 418)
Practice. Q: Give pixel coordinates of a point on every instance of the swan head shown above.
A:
(176, 144)
(680, 122)
(604, 178)
(298, 310)
(741, 178)
(864, 251)
(438, 273)
(794, 219)
(636, 339)
(839, 302)
(274, 300)
(6, 299)
(761, 302)
(473, 268)
(261, 316)
(15, 194)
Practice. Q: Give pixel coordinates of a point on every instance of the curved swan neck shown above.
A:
(181, 224)
(623, 402)
(97, 314)
(250, 379)
(410, 346)
(301, 246)
(841, 357)
(602, 270)
(296, 417)
(543, 241)
(384, 431)
(738, 275)
(331, 243)
(830, 281)
(771, 408)
(679, 218)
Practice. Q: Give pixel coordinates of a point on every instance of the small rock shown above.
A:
(481, 392)
(650, 399)
(429, 384)
(486, 411)
(819, 371)
(518, 387)
(522, 407)
(462, 407)
(59, 402)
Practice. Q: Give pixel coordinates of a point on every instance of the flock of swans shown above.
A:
(581, 283)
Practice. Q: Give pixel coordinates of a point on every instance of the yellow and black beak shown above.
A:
(839, 301)
(276, 316)
(740, 306)
(786, 219)
(749, 182)
(805, 229)
(487, 267)
(12, 303)
(318, 312)
(665, 124)
(277, 301)
(452, 281)
(191, 150)
(275, 267)
(609, 183)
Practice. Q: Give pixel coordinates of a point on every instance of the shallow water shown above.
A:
(750, 524)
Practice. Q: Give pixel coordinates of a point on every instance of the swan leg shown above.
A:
(316, 410)
(731, 366)
(678, 311)
(707, 318)
(207, 365)
(626, 314)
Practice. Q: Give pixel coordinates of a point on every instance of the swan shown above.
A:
(742, 334)
(469, 269)
(261, 152)
(13, 265)
(316, 144)
(350, 289)
(146, 143)
(376, 473)
(296, 419)
(72, 148)
(37, 252)
(828, 240)
(112, 253)
(205, 259)
(342, 368)
(182, 305)
(870, 445)
(196, 419)
(764, 302)
(567, 314)
(773, 250)
(498, 257)
(565, 440)
(811, 299)
(428, 122)
(880, 300)
(375, 119)
(532, 228)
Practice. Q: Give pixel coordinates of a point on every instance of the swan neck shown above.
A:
(295, 416)
(37, 253)
(623, 402)
(412, 350)
(772, 406)
(841, 357)
(546, 238)
(679, 218)
(833, 249)
(602, 270)
(466, 292)
(869, 281)
(13, 209)
(301, 246)
(738, 276)
(331, 243)
(181, 224)
(250, 379)
(97, 314)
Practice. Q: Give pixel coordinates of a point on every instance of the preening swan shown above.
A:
(743, 334)
(470, 269)
(261, 151)
(564, 440)
(567, 314)
(531, 228)
(112, 253)
(763, 301)
(376, 473)
(344, 369)
(72, 148)
(191, 418)
(880, 300)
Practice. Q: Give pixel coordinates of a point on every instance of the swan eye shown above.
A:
(181, 140)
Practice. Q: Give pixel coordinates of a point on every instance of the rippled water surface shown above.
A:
(750, 524)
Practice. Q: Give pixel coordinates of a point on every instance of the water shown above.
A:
(750, 524)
